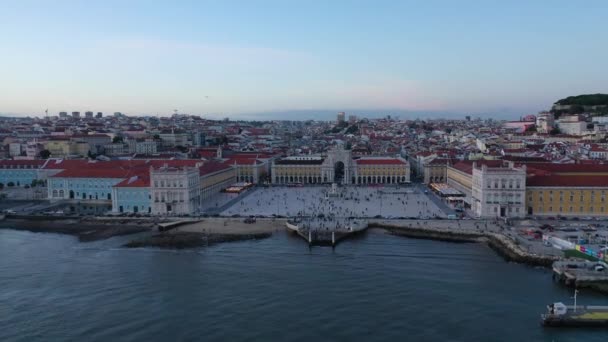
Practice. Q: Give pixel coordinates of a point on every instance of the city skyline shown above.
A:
(270, 60)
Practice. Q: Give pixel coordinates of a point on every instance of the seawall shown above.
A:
(504, 246)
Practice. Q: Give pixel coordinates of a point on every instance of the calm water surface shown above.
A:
(374, 288)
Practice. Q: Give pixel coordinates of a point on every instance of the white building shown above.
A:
(175, 190)
(498, 191)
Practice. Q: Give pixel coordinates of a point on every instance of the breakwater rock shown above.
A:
(503, 245)
(181, 240)
(85, 231)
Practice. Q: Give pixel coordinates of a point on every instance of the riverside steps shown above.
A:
(325, 231)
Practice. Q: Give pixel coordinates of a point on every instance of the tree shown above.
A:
(44, 154)
(554, 131)
(1, 185)
(34, 183)
(117, 139)
(10, 184)
(576, 109)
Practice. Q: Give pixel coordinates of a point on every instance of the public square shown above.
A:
(348, 201)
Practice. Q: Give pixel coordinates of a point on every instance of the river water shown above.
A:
(374, 288)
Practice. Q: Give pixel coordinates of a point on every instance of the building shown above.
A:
(175, 190)
(63, 115)
(341, 117)
(498, 191)
(567, 190)
(99, 115)
(381, 170)
(338, 166)
(115, 149)
(65, 148)
(88, 115)
(249, 168)
(172, 138)
(141, 146)
(436, 170)
(20, 172)
(132, 195)
(215, 177)
(93, 184)
(76, 114)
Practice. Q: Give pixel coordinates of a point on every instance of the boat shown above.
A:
(562, 315)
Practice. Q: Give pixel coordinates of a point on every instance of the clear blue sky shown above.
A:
(238, 57)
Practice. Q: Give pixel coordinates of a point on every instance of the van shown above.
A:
(452, 217)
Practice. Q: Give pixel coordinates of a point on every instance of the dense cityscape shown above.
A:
(336, 171)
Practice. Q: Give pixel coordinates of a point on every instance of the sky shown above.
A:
(284, 59)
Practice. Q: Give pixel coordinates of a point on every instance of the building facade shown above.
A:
(340, 167)
(175, 190)
(499, 191)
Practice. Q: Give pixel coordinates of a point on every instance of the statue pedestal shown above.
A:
(334, 190)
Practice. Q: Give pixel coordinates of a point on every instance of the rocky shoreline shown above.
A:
(504, 246)
(182, 240)
(84, 230)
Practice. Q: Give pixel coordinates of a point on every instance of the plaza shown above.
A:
(348, 201)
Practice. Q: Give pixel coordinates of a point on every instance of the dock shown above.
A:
(561, 315)
(581, 273)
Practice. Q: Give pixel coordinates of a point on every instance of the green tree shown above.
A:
(576, 109)
(117, 139)
(554, 131)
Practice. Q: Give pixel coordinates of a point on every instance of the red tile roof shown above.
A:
(94, 173)
(564, 181)
(466, 166)
(211, 167)
(138, 181)
(386, 161)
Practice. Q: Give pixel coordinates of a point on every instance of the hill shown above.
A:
(596, 104)
(585, 100)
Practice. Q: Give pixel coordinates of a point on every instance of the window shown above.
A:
(550, 208)
(570, 209)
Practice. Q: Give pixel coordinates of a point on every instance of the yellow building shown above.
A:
(306, 170)
(215, 178)
(567, 195)
(318, 170)
(67, 148)
(381, 170)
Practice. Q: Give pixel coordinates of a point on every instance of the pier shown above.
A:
(581, 274)
(325, 231)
